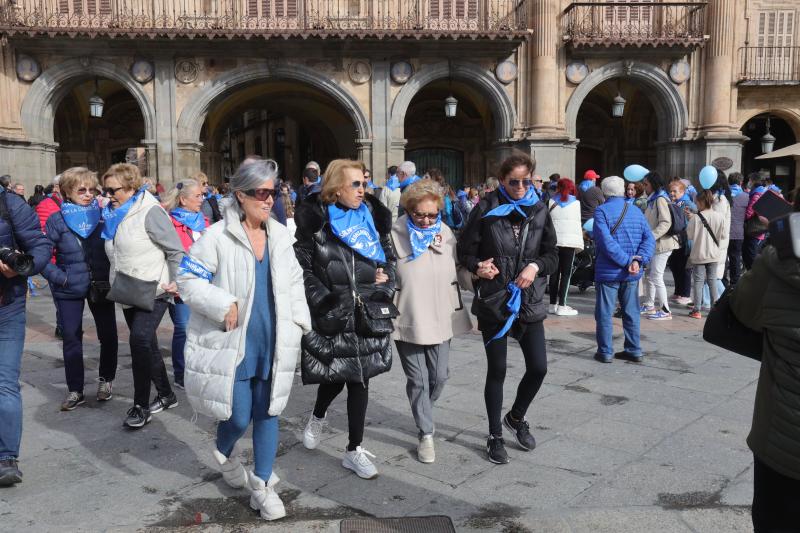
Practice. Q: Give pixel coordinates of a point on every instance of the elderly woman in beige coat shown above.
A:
(428, 297)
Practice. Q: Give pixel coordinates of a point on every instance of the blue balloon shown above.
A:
(588, 226)
(708, 177)
(635, 173)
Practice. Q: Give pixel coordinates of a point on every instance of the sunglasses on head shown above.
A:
(109, 191)
(516, 183)
(260, 194)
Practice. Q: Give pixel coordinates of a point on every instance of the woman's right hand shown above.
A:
(232, 317)
(487, 269)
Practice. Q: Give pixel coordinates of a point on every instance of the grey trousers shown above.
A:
(426, 369)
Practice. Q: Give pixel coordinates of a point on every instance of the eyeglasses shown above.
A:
(538, 181)
(260, 194)
(109, 191)
(423, 216)
(516, 183)
(84, 190)
(358, 184)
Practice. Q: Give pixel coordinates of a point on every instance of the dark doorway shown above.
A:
(782, 170)
(450, 162)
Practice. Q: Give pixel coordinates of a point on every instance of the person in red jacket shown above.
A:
(51, 204)
(183, 204)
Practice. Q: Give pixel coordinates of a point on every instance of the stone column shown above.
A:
(380, 120)
(166, 121)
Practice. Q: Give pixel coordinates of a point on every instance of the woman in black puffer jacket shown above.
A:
(489, 247)
(343, 240)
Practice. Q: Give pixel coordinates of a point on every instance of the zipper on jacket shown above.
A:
(355, 295)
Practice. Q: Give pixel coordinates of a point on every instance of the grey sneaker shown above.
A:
(104, 390)
(9, 473)
(73, 400)
(163, 402)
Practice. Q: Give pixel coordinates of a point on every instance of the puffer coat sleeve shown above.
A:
(203, 297)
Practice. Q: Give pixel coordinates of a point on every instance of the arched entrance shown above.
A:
(782, 170)
(607, 143)
(459, 146)
(97, 142)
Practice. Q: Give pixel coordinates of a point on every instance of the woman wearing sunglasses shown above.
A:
(429, 301)
(345, 249)
(145, 253)
(80, 271)
(245, 289)
(509, 243)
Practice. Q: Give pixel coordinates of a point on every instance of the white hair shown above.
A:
(613, 186)
(314, 164)
(57, 179)
(251, 174)
(408, 168)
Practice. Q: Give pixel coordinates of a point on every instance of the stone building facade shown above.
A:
(200, 84)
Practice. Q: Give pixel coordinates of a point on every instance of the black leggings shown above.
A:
(357, 398)
(559, 280)
(774, 500)
(535, 353)
(681, 272)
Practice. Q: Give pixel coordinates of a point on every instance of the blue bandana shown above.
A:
(691, 191)
(409, 180)
(113, 217)
(655, 196)
(774, 188)
(421, 238)
(736, 190)
(81, 219)
(502, 210)
(514, 304)
(393, 182)
(190, 219)
(562, 203)
(356, 229)
(758, 190)
(586, 185)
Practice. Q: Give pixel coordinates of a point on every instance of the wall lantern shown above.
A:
(618, 107)
(767, 141)
(96, 103)
(280, 136)
(450, 106)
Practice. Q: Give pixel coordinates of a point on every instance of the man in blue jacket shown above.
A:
(19, 230)
(624, 245)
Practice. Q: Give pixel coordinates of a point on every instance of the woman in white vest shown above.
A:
(245, 290)
(145, 252)
(565, 211)
(429, 301)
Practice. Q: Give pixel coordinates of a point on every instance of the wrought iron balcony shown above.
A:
(266, 18)
(769, 65)
(652, 23)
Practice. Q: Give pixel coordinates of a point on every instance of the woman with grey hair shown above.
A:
(249, 312)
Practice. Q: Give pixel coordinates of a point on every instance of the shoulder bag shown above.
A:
(372, 319)
(621, 218)
(723, 329)
(493, 306)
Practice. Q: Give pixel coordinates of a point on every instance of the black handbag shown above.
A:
(98, 291)
(134, 292)
(723, 329)
(372, 319)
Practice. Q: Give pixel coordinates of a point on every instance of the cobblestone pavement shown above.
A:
(658, 446)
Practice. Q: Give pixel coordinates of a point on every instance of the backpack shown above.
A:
(678, 218)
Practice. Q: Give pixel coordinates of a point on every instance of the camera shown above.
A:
(19, 262)
(784, 235)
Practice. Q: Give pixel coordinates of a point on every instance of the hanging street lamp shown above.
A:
(618, 107)
(767, 141)
(96, 103)
(450, 106)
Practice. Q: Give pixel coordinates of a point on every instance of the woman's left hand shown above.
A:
(170, 288)
(526, 277)
(380, 276)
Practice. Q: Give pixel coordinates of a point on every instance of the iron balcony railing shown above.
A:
(652, 23)
(769, 65)
(266, 18)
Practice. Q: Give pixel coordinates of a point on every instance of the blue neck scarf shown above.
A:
(502, 210)
(514, 304)
(409, 180)
(81, 219)
(190, 219)
(586, 185)
(774, 188)
(655, 196)
(356, 229)
(564, 203)
(758, 190)
(393, 183)
(736, 190)
(421, 238)
(113, 217)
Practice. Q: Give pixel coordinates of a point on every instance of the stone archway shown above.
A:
(39, 107)
(499, 102)
(791, 117)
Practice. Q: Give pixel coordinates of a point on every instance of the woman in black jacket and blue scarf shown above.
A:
(509, 243)
(345, 248)
(78, 275)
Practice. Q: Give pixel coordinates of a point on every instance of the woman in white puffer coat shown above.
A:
(245, 290)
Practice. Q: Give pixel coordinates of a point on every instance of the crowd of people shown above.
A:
(258, 277)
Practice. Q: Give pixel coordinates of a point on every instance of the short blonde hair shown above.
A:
(336, 179)
(199, 177)
(677, 183)
(73, 178)
(426, 189)
(183, 188)
(128, 176)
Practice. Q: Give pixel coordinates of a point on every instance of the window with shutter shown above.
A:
(252, 8)
(775, 40)
(628, 19)
(63, 6)
(105, 7)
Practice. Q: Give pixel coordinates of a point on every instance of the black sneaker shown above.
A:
(626, 356)
(137, 417)
(9, 473)
(522, 431)
(163, 402)
(496, 448)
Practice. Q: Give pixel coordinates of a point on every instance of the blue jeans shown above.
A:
(12, 340)
(179, 312)
(251, 402)
(607, 294)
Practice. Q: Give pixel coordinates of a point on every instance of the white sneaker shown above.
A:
(552, 308)
(263, 497)
(425, 451)
(358, 462)
(232, 470)
(565, 310)
(313, 432)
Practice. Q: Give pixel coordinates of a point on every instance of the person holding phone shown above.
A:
(245, 290)
(509, 244)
